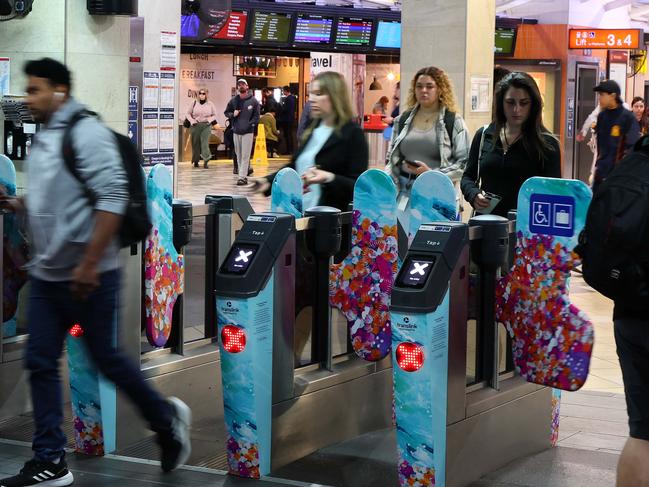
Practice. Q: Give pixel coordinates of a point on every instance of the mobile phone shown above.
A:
(413, 163)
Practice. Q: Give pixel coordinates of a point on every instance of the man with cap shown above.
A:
(243, 110)
(617, 130)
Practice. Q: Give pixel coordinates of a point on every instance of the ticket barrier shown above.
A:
(450, 432)
(255, 310)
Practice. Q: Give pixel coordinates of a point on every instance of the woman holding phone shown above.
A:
(513, 148)
(429, 134)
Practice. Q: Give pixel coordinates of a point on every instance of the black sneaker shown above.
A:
(45, 474)
(176, 443)
(242, 181)
(250, 171)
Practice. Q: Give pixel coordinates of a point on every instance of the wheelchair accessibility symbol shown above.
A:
(542, 214)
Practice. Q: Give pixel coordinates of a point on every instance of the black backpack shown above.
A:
(135, 223)
(614, 244)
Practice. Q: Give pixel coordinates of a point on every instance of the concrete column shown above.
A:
(455, 36)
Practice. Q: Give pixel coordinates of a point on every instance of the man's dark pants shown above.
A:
(52, 310)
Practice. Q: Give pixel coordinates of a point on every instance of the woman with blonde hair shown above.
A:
(429, 134)
(333, 151)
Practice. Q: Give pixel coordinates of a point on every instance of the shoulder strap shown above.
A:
(449, 123)
(402, 120)
(69, 157)
(482, 137)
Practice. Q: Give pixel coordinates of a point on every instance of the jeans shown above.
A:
(51, 311)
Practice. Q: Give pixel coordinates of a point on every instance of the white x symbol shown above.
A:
(419, 269)
(243, 256)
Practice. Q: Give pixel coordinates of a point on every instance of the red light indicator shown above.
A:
(76, 331)
(410, 356)
(233, 338)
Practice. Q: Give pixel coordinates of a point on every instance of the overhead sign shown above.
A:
(604, 38)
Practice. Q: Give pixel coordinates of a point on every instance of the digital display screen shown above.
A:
(189, 25)
(354, 32)
(271, 27)
(234, 28)
(313, 29)
(415, 272)
(239, 259)
(388, 35)
(504, 40)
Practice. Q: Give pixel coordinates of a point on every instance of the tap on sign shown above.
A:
(604, 39)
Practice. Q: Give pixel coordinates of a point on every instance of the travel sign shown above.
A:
(604, 38)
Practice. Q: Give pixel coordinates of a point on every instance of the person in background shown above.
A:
(395, 108)
(74, 275)
(638, 109)
(617, 130)
(333, 152)
(201, 116)
(286, 119)
(429, 135)
(381, 106)
(305, 120)
(243, 110)
(515, 147)
(270, 103)
(499, 74)
(270, 129)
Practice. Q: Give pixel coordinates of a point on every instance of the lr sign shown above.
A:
(604, 38)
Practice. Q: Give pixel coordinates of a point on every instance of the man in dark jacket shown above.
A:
(270, 103)
(617, 130)
(243, 110)
(286, 119)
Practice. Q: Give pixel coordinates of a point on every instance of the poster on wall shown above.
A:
(4, 75)
(167, 92)
(168, 52)
(151, 91)
(149, 133)
(166, 132)
(480, 94)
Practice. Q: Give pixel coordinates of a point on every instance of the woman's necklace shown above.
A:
(507, 143)
(426, 119)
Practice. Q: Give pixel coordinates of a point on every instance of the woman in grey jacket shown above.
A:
(429, 134)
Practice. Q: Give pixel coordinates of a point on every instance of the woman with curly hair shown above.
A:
(429, 134)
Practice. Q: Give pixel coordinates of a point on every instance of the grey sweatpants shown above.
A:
(242, 147)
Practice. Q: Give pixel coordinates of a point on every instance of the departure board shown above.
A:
(313, 29)
(388, 35)
(354, 32)
(271, 27)
(234, 28)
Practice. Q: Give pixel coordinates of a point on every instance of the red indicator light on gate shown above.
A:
(410, 356)
(76, 331)
(233, 338)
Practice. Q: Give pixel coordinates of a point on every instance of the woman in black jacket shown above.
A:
(333, 151)
(515, 147)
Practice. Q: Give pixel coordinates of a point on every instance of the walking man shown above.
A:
(616, 130)
(74, 275)
(243, 110)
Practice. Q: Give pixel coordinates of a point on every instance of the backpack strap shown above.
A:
(70, 158)
(449, 123)
(402, 120)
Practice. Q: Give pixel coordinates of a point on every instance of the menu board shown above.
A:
(354, 32)
(388, 35)
(313, 29)
(271, 27)
(234, 28)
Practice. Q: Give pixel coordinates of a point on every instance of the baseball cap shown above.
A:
(241, 80)
(608, 86)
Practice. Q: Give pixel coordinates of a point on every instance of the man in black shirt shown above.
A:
(617, 130)
(286, 119)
